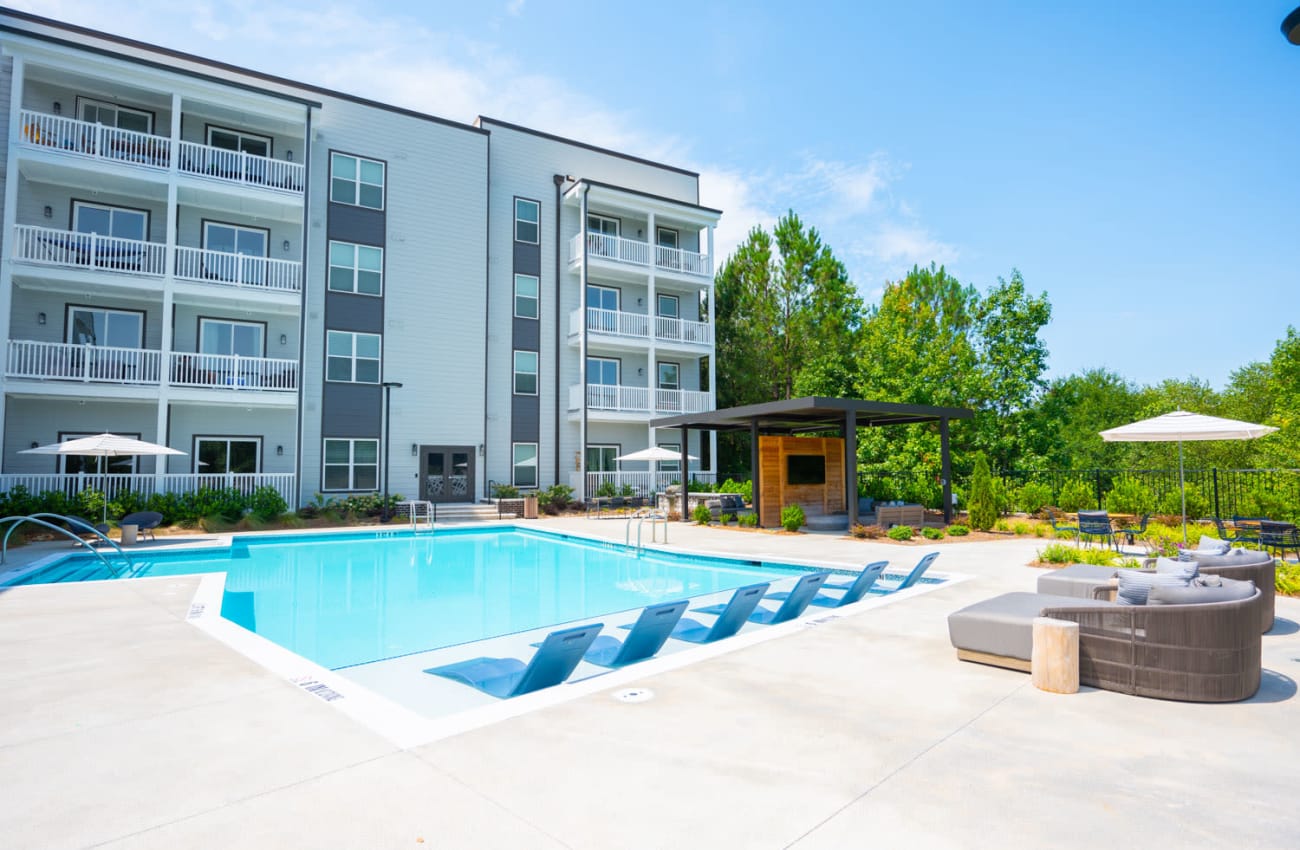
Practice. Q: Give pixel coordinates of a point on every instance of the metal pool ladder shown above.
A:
(655, 517)
(421, 515)
(42, 519)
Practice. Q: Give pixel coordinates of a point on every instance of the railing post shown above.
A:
(1097, 476)
(1214, 472)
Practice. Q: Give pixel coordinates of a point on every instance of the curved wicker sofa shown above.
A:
(1207, 652)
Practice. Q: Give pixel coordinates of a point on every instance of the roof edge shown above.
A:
(561, 139)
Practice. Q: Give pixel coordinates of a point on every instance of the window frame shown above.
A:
(615, 448)
(217, 320)
(605, 219)
(379, 361)
(660, 297)
(241, 135)
(672, 465)
(351, 465)
(227, 439)
(536, 297)
(677, 237)
(117, 107)
(205, 223)
(618, 370)
(78, 204)
(515, 464)
(537, 205)
(659, 374)
(357, 182)
(356, 267)
(516, 372)
(597, 287)
(68, 323)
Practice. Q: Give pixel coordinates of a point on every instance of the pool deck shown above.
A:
(124, 725)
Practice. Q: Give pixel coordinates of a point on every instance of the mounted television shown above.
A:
(805, 469)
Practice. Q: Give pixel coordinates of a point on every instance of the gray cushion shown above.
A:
(1228, 590)
(1077, 580)
(1004, 625)
(1184, 569)
(1238, 557)
(1212, 544)
(1134, 585)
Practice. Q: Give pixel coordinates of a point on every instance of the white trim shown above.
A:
(353, 358)
(515, 465)
(516, 371)
(217, 438)
(351, 464)
(357, 182)
(355, 268)
(537, 223)
(536, 297)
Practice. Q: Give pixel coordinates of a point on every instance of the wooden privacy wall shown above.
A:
(775, 492)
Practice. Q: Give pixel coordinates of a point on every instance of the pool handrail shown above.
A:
(38, 519)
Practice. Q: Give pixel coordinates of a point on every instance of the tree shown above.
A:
(982, 504)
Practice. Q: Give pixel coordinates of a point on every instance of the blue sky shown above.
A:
(1138, 161)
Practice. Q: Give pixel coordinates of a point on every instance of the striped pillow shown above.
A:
(1134, 586)
(1187, 569)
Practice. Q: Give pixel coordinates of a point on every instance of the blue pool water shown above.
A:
(348, 599)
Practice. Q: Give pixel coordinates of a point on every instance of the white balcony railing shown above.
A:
(618, 323)
(61, 361)
(683, 330)
(239, 167)
(636, 253)
(641, 483)
(620, 399)
(226, 269)
(230, 371)
(115, 484)
(50, 247)
(681, 401)
(96, 141)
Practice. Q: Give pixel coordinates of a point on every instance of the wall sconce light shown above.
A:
(640, 370)
(285, 245)
(284, 339)
(35, 444)
(49, 211)
(415, 449)
(58, 108)
(482, 450)
(639, 233)
(288, 156)
(279, 450)
(640, 302)
(40, 318)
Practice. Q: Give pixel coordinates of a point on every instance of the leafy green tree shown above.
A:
(982, 501)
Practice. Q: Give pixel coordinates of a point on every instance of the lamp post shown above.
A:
(388, 386)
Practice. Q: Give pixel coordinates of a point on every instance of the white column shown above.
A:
(582, 350)
(168, 291)
(652, 310)
(713, 360)
(10, 219)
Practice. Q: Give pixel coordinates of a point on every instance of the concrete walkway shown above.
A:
(122, 725)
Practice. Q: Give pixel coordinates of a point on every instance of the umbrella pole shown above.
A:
(103, 489)
(1182, 486)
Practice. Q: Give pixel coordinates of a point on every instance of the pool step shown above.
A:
(464, 512)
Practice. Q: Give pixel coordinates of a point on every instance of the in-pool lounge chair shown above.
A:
(795, 602)
(733, 616)
(649, 633)
(852, 592)
(510, 677)
(908, 580)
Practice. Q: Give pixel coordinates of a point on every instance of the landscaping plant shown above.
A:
(792, 518)
(901, 532)
(701, 515)
(982, 507)
(1130, 496)
(748, 521)
(958, 530)
(930, 533)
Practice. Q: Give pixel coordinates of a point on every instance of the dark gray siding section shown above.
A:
(528, 334)
(347, 312)
(351, 410)
(525, 410)
(356, 224)
(525, 419)
(528, 258)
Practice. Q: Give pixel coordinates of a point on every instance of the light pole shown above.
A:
(388, 386)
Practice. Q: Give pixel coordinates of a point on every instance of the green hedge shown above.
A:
(177, 508)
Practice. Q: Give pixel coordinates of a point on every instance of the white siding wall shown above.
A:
(40, 421)
(273, 427)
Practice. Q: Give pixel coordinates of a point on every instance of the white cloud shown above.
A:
(515, 7)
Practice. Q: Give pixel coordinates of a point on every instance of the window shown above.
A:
(603, 371)
(666, 237)
(238, 140)
(235, 239)
(602, 224)
(671, 465)
(602, 458)
(669, 307)
(602, 297)
(118, 222)
(227, 454)
(669, 377)
(351, 465)
(112, 328)
(112, 115)
(525, 296)
(525, 373)
(524, 469)
(219, 336)
(356, 268)
(356, 181)
(528, 214)
(352, 357)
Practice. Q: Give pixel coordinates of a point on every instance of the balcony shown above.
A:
(49, 247)
(87, 140)
(630, 252)
(637, 326)
(61, 361)
(239, 270)
(637, 400)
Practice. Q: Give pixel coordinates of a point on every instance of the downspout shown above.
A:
(558, 179)
(302, 306)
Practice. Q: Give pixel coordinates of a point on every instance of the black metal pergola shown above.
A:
(813, 414)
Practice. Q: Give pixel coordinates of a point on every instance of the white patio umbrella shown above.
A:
(1183, 425)
(103, 446)
(655, 453)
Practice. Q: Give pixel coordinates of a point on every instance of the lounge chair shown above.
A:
(795, 602)
(733, 616)
(144, 521)
(510, 677)
(649, 633)
(910, 579)
(1097, 524)
(1052, 517)
(1136, 531)
(854, 591)
(84, 528)
(1279, 535)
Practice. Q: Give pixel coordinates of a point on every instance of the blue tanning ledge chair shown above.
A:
(852, 592)
(795, 602)
(733, 615)
(910, 579)
(649, 634)
(510, 677)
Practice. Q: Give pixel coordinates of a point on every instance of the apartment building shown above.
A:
(313, 291)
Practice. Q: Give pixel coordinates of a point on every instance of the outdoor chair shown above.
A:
(742, 603)
(854, 591)
(1279, 535)
(795, 602)
(145, 521)
(908, 580)
(1053, 517)
(1097, 524)
(86, 529)
(1232, 536)
(1131, 534)
(510, 677)
(649, 633)
(1247, 527)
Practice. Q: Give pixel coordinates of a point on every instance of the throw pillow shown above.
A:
(1134, 585)
(1184, 569)
(1194, 594)
(1213, 544)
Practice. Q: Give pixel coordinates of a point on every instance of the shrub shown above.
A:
(744, 488)
(1001, 494)
(1059, 553)
(1075, 494)
(556, 497)
(1001, 525)
(1032, 496)
(1020, 527)
(932, 533)
(626, 491)
(982, 506)
(606, 489)
(1130, 496)
(1171, 503)
(792, 518)
(267, 503)
(701, 515)
(1288, 579)
(1040, 530)
(1258, 501)
(727, 519)
(748, 520)
(505, 491)
(867, 532)
(958, 530)
(694, 486)
(127, 502)
(900, 532)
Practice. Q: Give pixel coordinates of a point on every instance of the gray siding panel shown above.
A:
(524, 419)
(527, 334)
(351, 410)
(528, 258)
(362, 313)
(356, 224)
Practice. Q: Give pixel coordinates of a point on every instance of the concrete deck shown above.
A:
(123, 725)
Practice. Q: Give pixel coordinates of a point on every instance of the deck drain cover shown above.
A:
(634, 695)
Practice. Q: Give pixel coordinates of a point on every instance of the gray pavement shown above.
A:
(122, 725)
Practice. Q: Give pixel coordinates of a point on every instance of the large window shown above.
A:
(356, 268)
(113, 328)
(669, 376)
(528, 215)
(118, 222)
(525, 296)
(603, 371)
(234, 239)
(351, 465)
(605, 299)
(602, 458)
(221, 336)
(115, 115)
(525, 373)
(602, 224)
(671, 465)
(352, 357)
(668, 305)
(238, 140)
(524, 466)
(356, 181)
(227, 454)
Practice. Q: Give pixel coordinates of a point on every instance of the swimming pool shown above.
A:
(342, 600)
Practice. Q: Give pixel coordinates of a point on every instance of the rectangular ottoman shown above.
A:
(1076, 580)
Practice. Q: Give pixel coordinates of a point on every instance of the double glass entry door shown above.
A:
(447, 473)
